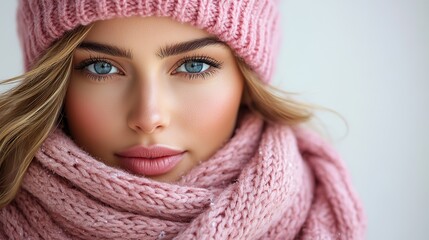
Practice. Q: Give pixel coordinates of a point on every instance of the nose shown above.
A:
(149, 110)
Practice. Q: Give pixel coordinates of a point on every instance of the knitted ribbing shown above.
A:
(268, 182)
(249, 27)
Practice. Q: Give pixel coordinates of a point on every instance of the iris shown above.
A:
(102, 67)
(194, 67)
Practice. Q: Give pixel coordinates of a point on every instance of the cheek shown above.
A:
(88, 115)
(212, 115)
(219, 112)
(80, 114)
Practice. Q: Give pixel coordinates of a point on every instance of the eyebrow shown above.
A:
(107, 49)
(179, 48)
(163, 52)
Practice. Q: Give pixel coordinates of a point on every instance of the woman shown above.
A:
(154, 119)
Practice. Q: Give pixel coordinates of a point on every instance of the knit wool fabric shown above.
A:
(268, 182)
(249, 27)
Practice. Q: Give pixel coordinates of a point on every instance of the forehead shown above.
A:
(145, 32)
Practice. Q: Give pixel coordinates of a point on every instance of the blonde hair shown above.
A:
(272, 104)
(33, 108)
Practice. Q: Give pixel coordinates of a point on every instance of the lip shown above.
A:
(150, 161)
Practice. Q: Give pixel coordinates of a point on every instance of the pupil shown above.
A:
(194, 67)
(102, 67)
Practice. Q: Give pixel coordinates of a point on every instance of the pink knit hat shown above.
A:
(249, 27)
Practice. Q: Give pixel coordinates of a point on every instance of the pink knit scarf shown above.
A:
(268, 182)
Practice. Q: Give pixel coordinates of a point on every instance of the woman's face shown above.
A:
(152, 96)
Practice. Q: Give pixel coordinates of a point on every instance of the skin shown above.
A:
(147, 100)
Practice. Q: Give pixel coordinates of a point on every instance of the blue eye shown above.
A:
(197, 67)
(193, 67)
(102, 68)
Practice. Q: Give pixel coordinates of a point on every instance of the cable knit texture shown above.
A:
(249, 27)
(268, 182)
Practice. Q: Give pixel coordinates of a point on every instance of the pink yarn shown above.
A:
(249, 27)
(268, 182)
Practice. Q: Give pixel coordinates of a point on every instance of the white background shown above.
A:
(369, 61)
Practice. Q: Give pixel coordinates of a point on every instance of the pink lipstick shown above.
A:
(150, 161)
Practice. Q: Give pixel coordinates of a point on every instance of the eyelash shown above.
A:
(214, 66)
(96, 77)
